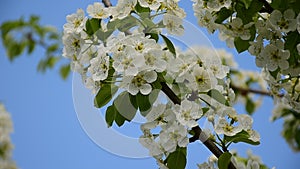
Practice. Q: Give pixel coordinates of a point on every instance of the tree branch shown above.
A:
(268, 8)
(208, 143)
(245, 91)
(106, 3)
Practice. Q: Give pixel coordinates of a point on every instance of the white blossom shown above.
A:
(128, 62)
(173, 24)
(202, 80)
(173, 136)
(99, 66)
(188, 113)
(72, 45)
(152, 4)
(275, 57)
(285, 22)
(139, 83)
(75, 22)
(97, 10)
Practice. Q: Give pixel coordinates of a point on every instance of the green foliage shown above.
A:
(104, 95)
(283, 5)
(177, 159)
(19, 36)
(223, 14)
(92, 26)
(169, 44)
(242, 136)
(65, 71)
(112, 115)
(123, 105)
(250, 106)
(292, 39)
(215, 94)
(224, 160)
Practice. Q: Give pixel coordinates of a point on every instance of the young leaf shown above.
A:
(215, 94)
(124, 106)
(92, 25)
(112, 115)
(242, 136)
(64, 71)
(104, 95)
(143, 102)
(153, 36)
(250, 106)
(177, 159)
(223, 14)
(169, 44)
(224, 160)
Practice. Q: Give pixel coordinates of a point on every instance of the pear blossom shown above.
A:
(275, 57)
(99, 67)
(202, 80)
(72, 45)
(173, 136)
(173, 24)
(188, 113)
(128, 62)
(97, 10)
(285, 22)
(154, 60)
(75, 22)
(122, 9)
(139, 83)
(152, 4)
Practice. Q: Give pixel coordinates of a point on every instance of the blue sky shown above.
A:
(47, 133)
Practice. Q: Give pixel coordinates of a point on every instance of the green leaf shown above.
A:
(292, 39)
(224, 160)
(250, 106)
(124, 106)
(140, 9)
(153, 36)
(143, 102)
(247, 3)
(112, 115)
(64, 71)
(215, 94)
(127, 23)
(169, 44)
(280, 5)
(104, 95)
(247, 14)
(92, 25)
(52, 48)
(30, 46)
(223, 14)
(242, 136)
(177, 159)
(46, 63)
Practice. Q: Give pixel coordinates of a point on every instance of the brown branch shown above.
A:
(106, 3)
(268, 8)
(245, 91)
(208, 143)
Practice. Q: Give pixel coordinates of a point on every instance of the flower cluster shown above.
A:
(119, 46)
(270, 33)
(5, 142)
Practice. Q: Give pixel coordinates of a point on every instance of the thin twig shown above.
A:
(245, 91)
